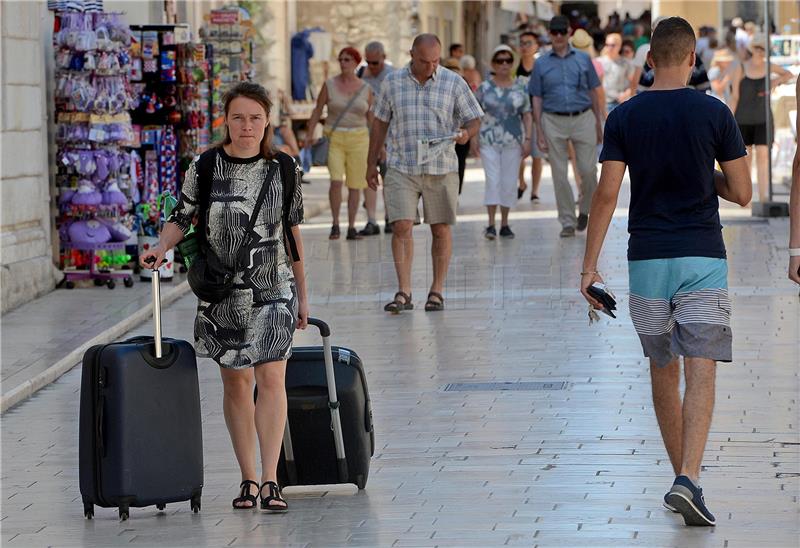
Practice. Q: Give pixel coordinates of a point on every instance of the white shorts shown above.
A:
(501, 166)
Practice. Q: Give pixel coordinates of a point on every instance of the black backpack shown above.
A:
(205, 172)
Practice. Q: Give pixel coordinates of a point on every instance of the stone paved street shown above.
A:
(582, 465)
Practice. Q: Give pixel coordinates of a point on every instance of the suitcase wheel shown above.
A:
(124, 513)
(195, 504)
(88, 510)
(161, 506)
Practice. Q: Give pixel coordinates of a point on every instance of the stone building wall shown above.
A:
(356, 24)
(26, 257)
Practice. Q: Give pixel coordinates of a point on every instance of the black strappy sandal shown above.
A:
(274, 496)
(397, 306)
(432, 305)
(246, 496)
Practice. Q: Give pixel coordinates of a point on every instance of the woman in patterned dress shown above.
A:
(249, 333)
(505, 138)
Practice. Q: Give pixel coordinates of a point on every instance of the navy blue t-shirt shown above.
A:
(669, 140)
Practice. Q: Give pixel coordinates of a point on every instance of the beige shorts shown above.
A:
(439, 197)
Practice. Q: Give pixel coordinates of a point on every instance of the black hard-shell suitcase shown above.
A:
(140, 434)
(329, 437)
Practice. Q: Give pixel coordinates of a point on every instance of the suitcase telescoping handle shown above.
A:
(156, 279)
(333, 400)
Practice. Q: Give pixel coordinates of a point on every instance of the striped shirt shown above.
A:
(414, 111)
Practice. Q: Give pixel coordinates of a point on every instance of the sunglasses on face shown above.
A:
(504, 61)
(373, 63)
(559, 32)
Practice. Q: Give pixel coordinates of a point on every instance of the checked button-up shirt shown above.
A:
(414, 111)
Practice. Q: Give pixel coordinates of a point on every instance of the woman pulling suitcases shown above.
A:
(246, 201)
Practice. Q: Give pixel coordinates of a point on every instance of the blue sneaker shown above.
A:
(687, 499)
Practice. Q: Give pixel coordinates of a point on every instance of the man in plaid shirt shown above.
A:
(418, 103)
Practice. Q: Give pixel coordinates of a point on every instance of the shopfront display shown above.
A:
(171, 123)
(231, 40)
(95, 190)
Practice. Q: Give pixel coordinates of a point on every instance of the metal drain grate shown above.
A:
(499, 386)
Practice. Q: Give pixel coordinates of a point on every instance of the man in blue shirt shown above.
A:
(669, 138)
(566, 106)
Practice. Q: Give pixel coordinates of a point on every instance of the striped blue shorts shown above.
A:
(680, 307)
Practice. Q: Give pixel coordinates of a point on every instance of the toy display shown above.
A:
(93, 129)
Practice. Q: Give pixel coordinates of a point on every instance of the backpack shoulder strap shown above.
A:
(289, 180)
(204, 166)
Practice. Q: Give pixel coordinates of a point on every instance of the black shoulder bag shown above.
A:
(209, 278)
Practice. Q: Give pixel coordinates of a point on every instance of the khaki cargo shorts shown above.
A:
(439, 197)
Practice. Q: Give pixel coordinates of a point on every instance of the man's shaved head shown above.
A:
(426, 40)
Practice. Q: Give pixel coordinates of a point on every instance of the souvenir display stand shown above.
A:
(231, 39)
(171, 123)
(93, 129)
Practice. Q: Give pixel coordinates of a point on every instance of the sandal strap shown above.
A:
(274, 495)
(406, 297)
(244, 485)
(245, 495)
(435, 294)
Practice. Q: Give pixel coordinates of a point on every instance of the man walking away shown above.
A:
(566, 107)
(670, 137)
(374, 73)
(419, 103)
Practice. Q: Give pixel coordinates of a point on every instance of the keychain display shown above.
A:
(93, 98)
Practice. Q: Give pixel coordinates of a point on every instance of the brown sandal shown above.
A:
(334, 233)
(434, 306)
(397, 306)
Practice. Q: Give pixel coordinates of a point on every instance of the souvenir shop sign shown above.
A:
(224, 17)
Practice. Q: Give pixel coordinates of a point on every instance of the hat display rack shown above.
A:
(93, 184)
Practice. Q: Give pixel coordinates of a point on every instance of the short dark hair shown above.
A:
(673, 40)
(454, 47)
(529, 33)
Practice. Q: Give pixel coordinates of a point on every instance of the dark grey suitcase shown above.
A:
(329, 437)
(141, 440)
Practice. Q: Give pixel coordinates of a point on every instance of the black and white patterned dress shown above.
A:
(256, 322)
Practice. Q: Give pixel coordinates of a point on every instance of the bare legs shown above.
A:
(536, 176)
(264, 420)
(353, 194)
(441, 250)
(335, 198)
(403, 253)
(371, 199)
(492, 210)
(684, 425)
(762, 172)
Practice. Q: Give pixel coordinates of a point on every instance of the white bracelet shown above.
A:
(794, 252)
